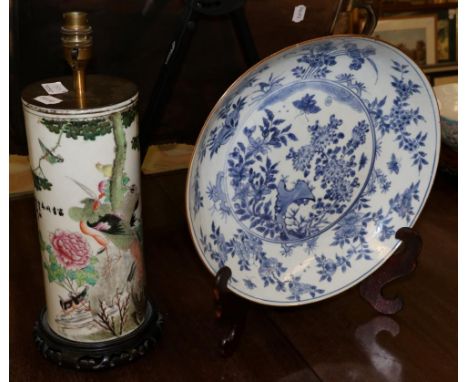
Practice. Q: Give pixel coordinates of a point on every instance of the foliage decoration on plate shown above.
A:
(316, 157)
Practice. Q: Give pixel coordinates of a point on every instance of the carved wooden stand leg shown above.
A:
(400, 264)
(231, 309)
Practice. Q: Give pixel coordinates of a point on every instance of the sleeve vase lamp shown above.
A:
(85, 159)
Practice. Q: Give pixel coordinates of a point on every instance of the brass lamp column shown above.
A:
(77, 43)
(85, 160)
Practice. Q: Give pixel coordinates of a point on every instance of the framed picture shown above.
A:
(443, 39)
(446, 35)
(414, 35)
(455, 15)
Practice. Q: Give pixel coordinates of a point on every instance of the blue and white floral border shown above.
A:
(315, 293)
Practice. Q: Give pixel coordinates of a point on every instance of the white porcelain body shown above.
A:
(447, 98)
(309, 164)
(87, 183)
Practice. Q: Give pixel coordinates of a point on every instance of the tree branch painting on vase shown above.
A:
(99, 266)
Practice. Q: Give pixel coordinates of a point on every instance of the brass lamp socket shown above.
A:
(77, 41)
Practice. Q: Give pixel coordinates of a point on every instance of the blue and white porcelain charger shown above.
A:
(309, 164)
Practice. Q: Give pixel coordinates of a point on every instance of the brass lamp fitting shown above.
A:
(77, 44)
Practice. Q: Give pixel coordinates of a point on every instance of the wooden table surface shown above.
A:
(339, 339)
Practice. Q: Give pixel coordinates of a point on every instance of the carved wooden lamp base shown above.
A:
(98, 355)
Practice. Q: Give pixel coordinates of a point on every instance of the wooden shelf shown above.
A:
(442, 67)
(399, 6)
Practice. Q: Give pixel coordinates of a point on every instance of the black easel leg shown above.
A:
(162, 89)
(239, 22)
(176, 53)
(400, 264)
(230, 308)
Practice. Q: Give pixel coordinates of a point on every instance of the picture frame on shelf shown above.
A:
(414, 35)
(446, 36)
(455, 13)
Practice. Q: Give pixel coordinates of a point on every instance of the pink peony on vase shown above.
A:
(84, 153)
(71, 248)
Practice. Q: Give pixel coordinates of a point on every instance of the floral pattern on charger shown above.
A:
(302, 188)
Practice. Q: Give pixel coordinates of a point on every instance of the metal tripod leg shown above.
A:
(164, 84)
(174, 58)
(239, 21)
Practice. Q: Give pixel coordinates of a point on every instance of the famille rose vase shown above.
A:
(85, 163)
